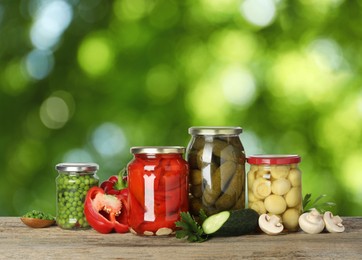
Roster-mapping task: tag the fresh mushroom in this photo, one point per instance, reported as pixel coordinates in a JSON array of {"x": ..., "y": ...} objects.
[
  {"x": 311, "y": 222},
  {"x": 333, "y": 223},
  {"x": 270, "y": 224}
]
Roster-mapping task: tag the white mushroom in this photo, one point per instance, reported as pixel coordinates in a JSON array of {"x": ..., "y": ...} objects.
[
  {"x": 333, "y": 223},
  {"x": 270, "y": 224},
  {"x": 311, "y": 222}
]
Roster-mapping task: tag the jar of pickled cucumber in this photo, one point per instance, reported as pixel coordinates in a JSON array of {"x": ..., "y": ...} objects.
[
  {"x": 216, "y": 159},
  {"x": 275, "y": 187},
  {"x": 158, "y": 189},
  {"x": 72, "y": 184}
]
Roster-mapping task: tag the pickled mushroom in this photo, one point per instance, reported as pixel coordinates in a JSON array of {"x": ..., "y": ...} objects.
[
  {"x": 261, "y": 188},
  {"x": 290, "y": 219},
  {"x": 275, "y": 204},
  {"x": 295, "y": 177},
  {"x": 279, "y": 171},
  {"x": 280, "y": 186},
  {"x": 293, "y": 197},
  {"x": 258, "y": 206}
]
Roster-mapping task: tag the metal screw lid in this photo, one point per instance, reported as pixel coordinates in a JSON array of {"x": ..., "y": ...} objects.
[
  {"x": 77, "y": 167},
  {"x": 215, "y": 130},
  {"x": 157, "y": 149}
]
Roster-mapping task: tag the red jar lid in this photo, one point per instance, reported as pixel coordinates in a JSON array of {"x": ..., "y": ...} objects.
[{"x": 273, "y": 159}]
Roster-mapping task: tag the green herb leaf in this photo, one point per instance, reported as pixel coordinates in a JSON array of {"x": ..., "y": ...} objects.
[
  {"x": 190, "y": 229},
  {"x": 306, "y": 200},
  {"x": 202, "y": 216},
  {"x": 321, "y": 206}
]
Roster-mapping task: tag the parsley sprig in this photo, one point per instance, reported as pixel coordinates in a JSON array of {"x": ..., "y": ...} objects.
[
  {"x": 190, "y": 228},
  {"x": 317, "y": 204}
]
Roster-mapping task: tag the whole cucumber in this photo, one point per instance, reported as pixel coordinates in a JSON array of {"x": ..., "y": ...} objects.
[{"x": 231, "y": 223}]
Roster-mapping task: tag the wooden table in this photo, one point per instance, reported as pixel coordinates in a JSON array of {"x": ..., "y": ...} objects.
[{"x": 18, "y": 241}]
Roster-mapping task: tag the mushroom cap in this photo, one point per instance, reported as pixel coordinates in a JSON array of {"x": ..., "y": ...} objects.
[
  {"x": 333, "y": 223},
  {"x": 311, "y": 222},
  {"x": 270, "y": 224}
]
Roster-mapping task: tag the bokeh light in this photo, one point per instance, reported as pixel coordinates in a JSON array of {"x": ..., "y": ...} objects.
[
  {"x": 109, "y": 140},
  {"x": 95, "y": 55},
  {"x": 52, "y": 18},
  {"x": 161, "y": 84},
  {"x": 239, "y": 86},
  {"x": 131, "y": 9},
  {"x": 15, "y": 77},
  {"x": 350, "y": 175},
  {"x": 259, "y": 12},
  {"x": 54, "y": 112},
  {"x": 39, "y": 63}
]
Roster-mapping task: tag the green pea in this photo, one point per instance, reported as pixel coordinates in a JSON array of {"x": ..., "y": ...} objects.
[{"x": 39, "y": 215}]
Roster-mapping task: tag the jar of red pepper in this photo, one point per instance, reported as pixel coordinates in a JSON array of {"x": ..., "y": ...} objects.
[{"x": 158, "y": 189}]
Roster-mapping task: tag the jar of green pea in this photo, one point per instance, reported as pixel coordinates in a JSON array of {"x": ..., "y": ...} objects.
[{"x": 72, "y": 184}]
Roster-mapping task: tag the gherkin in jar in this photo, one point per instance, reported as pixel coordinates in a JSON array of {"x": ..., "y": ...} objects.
[{"x": 216, "y": 159}]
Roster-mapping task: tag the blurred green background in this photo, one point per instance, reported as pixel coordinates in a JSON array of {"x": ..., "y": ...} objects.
[{"x": 86, "y": 80}]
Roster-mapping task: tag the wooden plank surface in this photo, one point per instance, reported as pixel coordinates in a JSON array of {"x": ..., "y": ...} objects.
[{"x": 18, "y": 241}]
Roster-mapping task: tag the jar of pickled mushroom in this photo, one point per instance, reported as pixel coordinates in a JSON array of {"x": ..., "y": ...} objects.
[
  {"x": 216, "y": 159},
  {"x": 72, "y": 184},
  {"x": 275, "y": 187},
  {"x": 158, "y": 189}
]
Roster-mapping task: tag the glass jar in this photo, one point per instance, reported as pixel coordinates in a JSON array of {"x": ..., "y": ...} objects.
[
  {"x": 158, "y": 189},
  {"x": 72, "y": 184},
  {"x": 216, "y": 159},
  {"x": 275, "y": 187}
]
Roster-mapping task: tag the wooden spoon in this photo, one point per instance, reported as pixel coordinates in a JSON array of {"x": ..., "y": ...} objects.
[{"x": 37, "y": 223}]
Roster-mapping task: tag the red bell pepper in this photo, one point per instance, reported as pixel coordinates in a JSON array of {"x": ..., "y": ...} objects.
[
  {"x": 105, "y": 212},
  {"x": 116, "y": 184}
]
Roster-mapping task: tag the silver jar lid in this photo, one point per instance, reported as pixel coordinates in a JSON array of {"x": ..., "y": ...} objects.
[
  {"x": 77, "y": 167},
  {"x": 215, "y": 130},
  {"x": 157, "y": 149}
]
